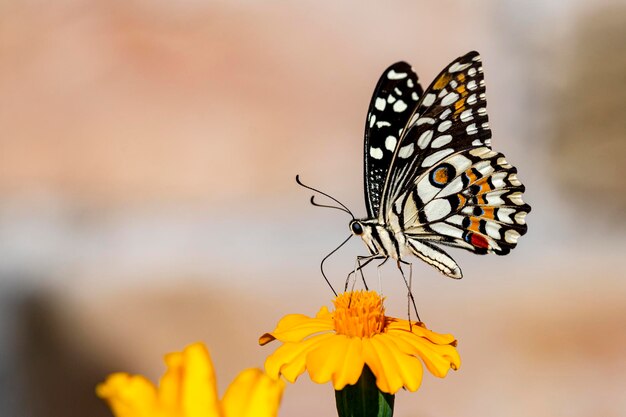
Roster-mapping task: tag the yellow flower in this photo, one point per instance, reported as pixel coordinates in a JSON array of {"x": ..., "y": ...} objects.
[
  {"x": 336, "y": 346},
  {"x": 188, "y": 389}
]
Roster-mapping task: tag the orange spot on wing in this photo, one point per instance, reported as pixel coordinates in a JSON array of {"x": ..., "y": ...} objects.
[
  {"x": 475, "y": 221},
  {"x": 459, "y": 106},
  {"x": 461, "y": 78},
  {"x": 470, "y": 174},
  {"x": 441, "y": 175},
  {"x": 487, "y": 213},
  {"x": 442, "y": 81}
]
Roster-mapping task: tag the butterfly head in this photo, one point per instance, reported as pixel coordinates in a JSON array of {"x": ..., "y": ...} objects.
[{"x": 356, "y": 227}]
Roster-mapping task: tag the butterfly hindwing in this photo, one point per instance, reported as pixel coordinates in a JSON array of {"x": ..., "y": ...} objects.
[
  {"x": 450, "y": 117},
  {"x": 394, "y": 99},
  {"x": 472, "y": 200}
]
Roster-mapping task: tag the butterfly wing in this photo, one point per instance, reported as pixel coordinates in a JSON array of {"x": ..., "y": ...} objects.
[
  {"x": 394, "y": 99},
  {"x": 445, "y": 184}
]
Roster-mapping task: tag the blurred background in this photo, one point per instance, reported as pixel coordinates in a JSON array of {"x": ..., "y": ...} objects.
[{"x": 147, "y": 197}]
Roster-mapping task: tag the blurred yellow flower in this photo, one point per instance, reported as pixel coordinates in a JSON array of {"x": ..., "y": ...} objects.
[
  {"x": 336, "y": 346},
  {"x": 188, "y": 389}
]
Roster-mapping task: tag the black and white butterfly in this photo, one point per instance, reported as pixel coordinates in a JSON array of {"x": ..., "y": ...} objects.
[{"x": 431, "y": 177}]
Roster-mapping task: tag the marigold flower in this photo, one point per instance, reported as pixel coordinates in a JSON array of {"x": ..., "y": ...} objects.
[
  {"x": 337, "y": 345},
  {"x": 189, "y": 389}
]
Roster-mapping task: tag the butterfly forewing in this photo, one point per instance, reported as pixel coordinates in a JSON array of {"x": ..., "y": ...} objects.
[
  {"x": 450, "y": 117},
  {"x": 394, "y": 99}
]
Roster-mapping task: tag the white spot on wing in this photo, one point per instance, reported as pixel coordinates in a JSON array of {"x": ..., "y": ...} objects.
[
  {"x": 391, "y": 98},
  {"x": 414, "y": 96},
  {"x": 511, "y": 236},
  {"x": 423, "y": 120},
  {"x": 380, "y": 104},
  {"x": 504, "y": 214},
  {"x": 514, "y": 180},
  {"x": 493, "y": 230},
  {"x": 429, "y": 99},
  {"x": 449, "y": 99},
  {"x": 376, "y": 153},
  {"x": 471, "y": 129},
  {"x": 520, "y": 218},
  {"x": 516, "y": 198},
  {"x": 445, "y": 125},
  {"x": 466, "y": 116},
  {"x": 409, "y": 83},
  {"x": 424, "y": 139},
  {"x": 392, "y": 75},
  {"x": 406, "y": 151},
  {"x": 399, "y": 106},
  {"x": 382, "y": 124},
  {"x": 445, "y": 114},
  {"x": 441, "y": 141},
  {"x": 456, "y": 67},
  {"x": 437, "y": 209},
  {"x": 436, "y": 157},
  {"x": 390, "y": 143},
  {"x": 471, "y": 85},
  {"x": 372, "y": 119}
]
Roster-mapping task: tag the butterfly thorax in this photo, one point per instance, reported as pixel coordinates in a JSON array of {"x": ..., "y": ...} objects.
[{"x": 380, "y": 239}]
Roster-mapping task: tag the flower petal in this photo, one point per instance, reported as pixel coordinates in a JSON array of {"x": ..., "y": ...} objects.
[
  {"x": 253, "y": 394},
  {"x": 129, "y": 396},
  {"x": 289, "y": 360},
  {"x": 437, "y": 358},
  {"x": 196, "y": 384},
  {"x": 297, "y": 327},
  {"x": 392, "y": 368},
  {"x": 339, "y": 358},
  {"x": 419, "y": 329}
]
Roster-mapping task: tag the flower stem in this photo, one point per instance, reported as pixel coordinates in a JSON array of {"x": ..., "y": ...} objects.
[{"x": 364, "y": 399}]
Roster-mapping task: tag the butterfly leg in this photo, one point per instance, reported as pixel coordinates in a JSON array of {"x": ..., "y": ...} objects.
[
  {"x": 411, "y": 299},
  {"x": 360, "y": 267},
  {"x": 380, "y": 283}
]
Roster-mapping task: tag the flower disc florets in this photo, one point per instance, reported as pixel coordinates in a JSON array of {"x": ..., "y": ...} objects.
[{"x": 359, "y": 314}]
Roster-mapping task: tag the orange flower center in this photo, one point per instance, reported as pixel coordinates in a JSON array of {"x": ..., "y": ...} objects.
[{"x": 359, "y": 314}]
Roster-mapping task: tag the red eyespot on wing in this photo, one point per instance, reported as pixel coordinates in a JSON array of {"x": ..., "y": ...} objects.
[{"x": 479, "y": 241}]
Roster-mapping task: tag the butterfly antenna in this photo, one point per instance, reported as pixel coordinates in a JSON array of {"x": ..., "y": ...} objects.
[
  {"x": 328, "y": 256},
  {"x": 342, "y": 208}
]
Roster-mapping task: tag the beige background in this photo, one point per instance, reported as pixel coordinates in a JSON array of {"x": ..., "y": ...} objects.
[{"x": 147, "y": 197}]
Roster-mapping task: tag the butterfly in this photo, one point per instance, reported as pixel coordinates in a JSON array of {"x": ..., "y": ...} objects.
[{"x": 431, "y": 177}]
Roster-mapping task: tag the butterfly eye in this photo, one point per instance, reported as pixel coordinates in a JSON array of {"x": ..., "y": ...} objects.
[{"x": 356, "y": 227}]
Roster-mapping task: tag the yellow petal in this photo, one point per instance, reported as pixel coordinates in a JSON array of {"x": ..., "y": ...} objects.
[
  {"x": 253, "y": 394},
  {"x": 324, "y": 314},
  {"x": 437, "y": 358},
  {"x": 392, "y": 368},
  {"x": 419, "y": 329},
  {"x": 129, "y": 396},
  {"x": 339, "y": 358},
  {"x": 199, "y": 387},
  {"x": 170, "y": 386},
  {"x": 290, "y": 359},
  {"x": 296, "y": 327}
]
